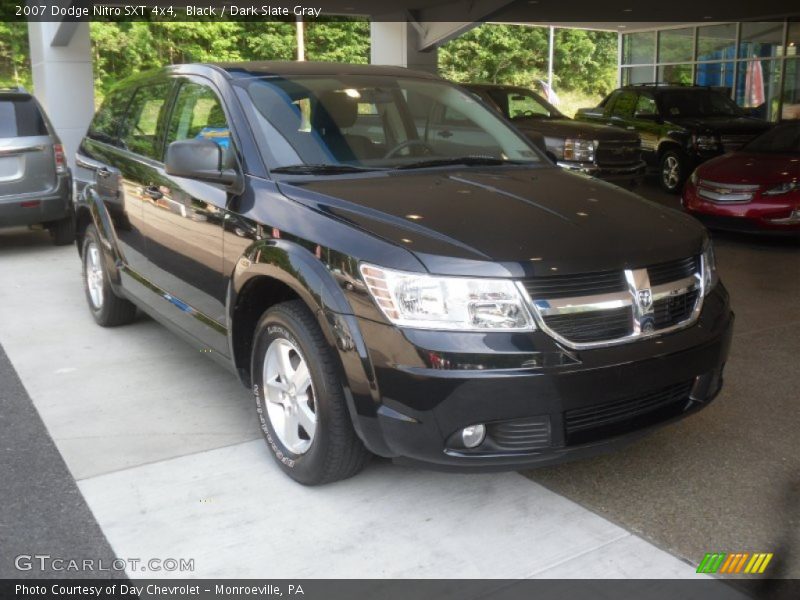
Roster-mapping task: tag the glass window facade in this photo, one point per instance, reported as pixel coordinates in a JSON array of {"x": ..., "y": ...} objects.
[{"x": 755, "y": 63}]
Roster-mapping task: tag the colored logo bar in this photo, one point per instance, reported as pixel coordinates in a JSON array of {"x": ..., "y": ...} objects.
[{"x": 736, "y": 562}]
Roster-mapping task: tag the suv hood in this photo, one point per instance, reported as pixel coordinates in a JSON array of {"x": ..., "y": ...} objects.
[
  {"x": 751, "y": 167},
  {"x": 567, "y": 128},
  {"x": 516, "y": 222},
  {"x": 722, "y": 125}
]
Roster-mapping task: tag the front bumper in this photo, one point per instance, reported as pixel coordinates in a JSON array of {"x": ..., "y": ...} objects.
[
  {"x": 633, "y": 174},
  {"x": 541, "y": 402},
  {"x": 32, "y": 209},
  {"x": 776, "y": 215}
]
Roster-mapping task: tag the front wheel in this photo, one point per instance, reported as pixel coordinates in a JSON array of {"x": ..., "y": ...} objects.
[
  {"x": 673, "y": 169},
  {"x": 108, "y": 309},
  {"x": 300, "y": 398}
]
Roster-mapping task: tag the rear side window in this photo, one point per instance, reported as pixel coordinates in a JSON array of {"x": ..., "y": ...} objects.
[
  {"x": 21, "y": 117},
  {"x": 109, "y": 118},
  {"x": 141, "y": 132},
  {"x": 623, "y": 107}
]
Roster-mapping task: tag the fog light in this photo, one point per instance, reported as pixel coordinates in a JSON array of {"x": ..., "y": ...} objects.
[{"x": 473, "y": 435}]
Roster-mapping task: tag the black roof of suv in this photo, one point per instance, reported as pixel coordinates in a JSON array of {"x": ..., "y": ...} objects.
[{"x": 384, "y": 284}]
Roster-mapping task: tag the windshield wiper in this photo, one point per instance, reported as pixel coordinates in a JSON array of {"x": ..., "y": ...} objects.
[
  {"x": 460, "y": 160},
  {"x": 321, "y": 169}
]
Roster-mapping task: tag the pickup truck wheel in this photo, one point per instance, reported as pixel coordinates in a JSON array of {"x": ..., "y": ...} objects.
[
  {"x": 672, "y": 171},
  {"x": 108, "y": 309},
  {"x": 300, "y": 399},
  {"x": 63, "y": 231}
]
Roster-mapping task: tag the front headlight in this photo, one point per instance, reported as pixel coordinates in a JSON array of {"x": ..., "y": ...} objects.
[
  {"x": 709, "y": 267},
  {"x": 579, "y": 150},
  {"x": 705, "y": 142},
  {"x": 783, "y": 188},
  {"x": 430, "y": 302}
]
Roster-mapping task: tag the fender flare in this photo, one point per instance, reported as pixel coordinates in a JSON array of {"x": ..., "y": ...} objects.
[
  {"x": 295, "y": 266},
  {"x": 101, "y": 219}
]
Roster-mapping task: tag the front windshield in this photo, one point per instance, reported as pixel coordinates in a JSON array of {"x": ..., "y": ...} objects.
[
  {"x": 377, "y": 122},
  {"x": 783, "y": 139},
  {"x": 519, "y": 104},
  {"x": 697, "y": 103}
]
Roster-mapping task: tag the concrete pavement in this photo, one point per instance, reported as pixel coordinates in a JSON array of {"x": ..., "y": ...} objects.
[{"x": 166, "y": 451}]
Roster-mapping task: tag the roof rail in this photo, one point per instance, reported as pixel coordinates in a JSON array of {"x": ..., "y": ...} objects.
[
  {"x": 14, "y": 88},
  {"x": 664, "y": 84}
]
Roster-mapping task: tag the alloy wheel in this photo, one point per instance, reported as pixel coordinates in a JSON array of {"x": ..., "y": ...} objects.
[
  {"x": 94, "y": 275},
  {"x": 289, "y": 396},
  {"x": 670, "y": 173}
]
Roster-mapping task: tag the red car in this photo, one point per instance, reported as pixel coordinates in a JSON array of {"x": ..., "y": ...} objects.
[{"x": 754, "y": 189}]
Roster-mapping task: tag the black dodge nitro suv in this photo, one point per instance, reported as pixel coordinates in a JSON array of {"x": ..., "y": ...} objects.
[
  {"x": 680, "y": 126},
  {"x": 380, "y": 290}
]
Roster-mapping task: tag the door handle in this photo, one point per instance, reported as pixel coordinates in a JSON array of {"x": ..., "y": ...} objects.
[
  {"x": 153, "y": 192},
  {"x": 445, "y": 134}
]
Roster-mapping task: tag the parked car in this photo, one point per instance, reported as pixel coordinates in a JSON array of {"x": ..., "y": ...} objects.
[
  {"x": 680, "y": 126},
  {"x": 35, "y": 183},
  {"x": 396, "y": 293},
  {"x": 754, "y": 189},
  {"x": 597, "y": 150}
]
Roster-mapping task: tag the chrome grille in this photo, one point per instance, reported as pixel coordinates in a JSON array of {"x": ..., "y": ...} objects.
[
  {"x": 558, "y": 286},
  {"x": 613, "y": 307},
  {"x": 735, "y": 141},
  {"x": 673, "y": 310},
  {"x": 673, "y": 270},
  {"x": 593, "y": 325},
  {"x": 618, "y": 152}
]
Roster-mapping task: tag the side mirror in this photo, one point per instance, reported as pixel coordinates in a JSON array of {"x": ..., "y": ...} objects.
[{"x": 199, "y": 159}]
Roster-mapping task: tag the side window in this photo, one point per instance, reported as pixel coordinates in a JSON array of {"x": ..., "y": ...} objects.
[
  {"x": 198, "y": 115},
  {"x": 109, "y": 118},
  {"x": 452, "y": 116},
  {"x": 624, "y": 105},
  {"x": 646, "y": 105},
  {"x": 608, "y": 104},
  {"x": 140, "y": 132}
]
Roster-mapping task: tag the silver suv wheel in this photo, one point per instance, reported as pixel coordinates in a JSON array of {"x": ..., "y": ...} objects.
[
  {"x": 94, "y": 275},
  {"x": 290, "y": 397}
]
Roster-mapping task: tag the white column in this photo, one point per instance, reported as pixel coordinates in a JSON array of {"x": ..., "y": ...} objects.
[
  {"x": 61, "y": 62},
  {"x": 395, "y": 43}
]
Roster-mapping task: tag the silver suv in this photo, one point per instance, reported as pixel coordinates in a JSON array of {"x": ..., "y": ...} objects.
[{"x": 35, "y": 182}]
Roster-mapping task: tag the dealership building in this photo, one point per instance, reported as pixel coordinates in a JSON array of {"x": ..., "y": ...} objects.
[{"x": 754, "y": 58}]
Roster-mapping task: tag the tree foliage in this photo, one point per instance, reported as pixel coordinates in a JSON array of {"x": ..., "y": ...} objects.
[
  {"x": 583, "y": 61},
  {"x": 15, "y": 64},
  {"x": 121, "y": 49}
]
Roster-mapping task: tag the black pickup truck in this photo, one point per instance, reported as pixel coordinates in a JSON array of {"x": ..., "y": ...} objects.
[
  {"x": 596, "y": 150},
  {"x": 680, "y": 126}
]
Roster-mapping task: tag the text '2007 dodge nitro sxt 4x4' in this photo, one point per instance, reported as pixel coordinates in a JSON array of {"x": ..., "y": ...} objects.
[{"x": 457, "y": 303}]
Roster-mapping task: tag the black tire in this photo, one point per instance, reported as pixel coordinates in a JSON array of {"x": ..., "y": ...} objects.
[
  {"x": 63, "y": 231},
  {"x": 335, "y": 450},
  {"x": 672, "y": 171},
  {"x": 112, "y": 310}
]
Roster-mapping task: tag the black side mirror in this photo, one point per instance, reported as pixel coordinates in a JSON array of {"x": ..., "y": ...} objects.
[{"x": 199, "y": 159}]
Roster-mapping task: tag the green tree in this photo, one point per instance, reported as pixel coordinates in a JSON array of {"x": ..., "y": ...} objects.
[{"x": 15, "y": 64}]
